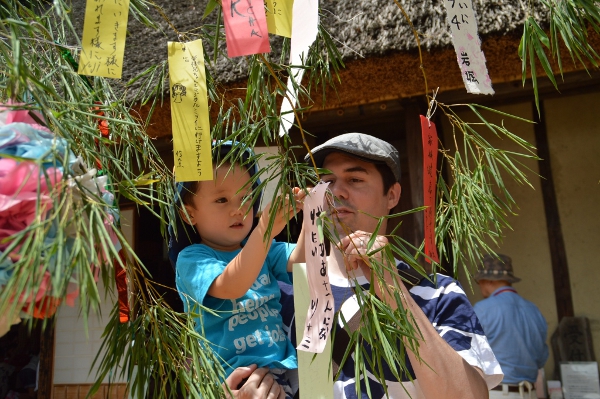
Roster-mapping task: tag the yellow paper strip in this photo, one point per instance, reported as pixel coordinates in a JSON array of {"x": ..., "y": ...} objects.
[
  {"x": 279, "y": 17},
  {"x": 103, "y": 42},
  {"x": 189, "y": 112}
]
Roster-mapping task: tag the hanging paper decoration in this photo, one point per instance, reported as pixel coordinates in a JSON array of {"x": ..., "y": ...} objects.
[
  {"x": 120, "y": 272},
  {"x": 103, "y": 42},
  {"x": 320, "y": 311},
  {"x": 430, "y": 150},
  {"x": 189, "y": 112},
  {"x": 246, "y": 29},
  {"x": 305, "y": 22},
  {"x": 279, "y": 17},
  {"x": 35, "y": 166},
  {"x": 467, "y": 45}
]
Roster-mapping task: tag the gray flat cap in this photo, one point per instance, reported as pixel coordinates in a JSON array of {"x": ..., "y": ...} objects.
[
  {"x": 362, "y": 146},
  {"x": 365, "y": 147}
]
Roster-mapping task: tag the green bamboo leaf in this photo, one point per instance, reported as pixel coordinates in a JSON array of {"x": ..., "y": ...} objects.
[
  {"x": 541, "y": 55},
  {"x": 210, "y": 6},
  {"x": 541, "y": 35}
]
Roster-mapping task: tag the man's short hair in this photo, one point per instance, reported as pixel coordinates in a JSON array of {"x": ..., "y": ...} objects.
[{"x": 387, "y": 176}]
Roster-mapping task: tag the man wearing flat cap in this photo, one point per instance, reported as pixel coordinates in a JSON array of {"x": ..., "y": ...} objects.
[
  {"x": 514, "y": 326},
  {"x": 455, "y": 360}
]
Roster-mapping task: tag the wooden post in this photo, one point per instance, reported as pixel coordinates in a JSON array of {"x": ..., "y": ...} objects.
[
  {"x": 46, "y": 366},
  {"x": 558, "y": 254}
]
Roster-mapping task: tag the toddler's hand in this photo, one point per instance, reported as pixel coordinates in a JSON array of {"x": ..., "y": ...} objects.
[
  {"x": 285, "y": 211},
  {"x": 299, "y": 195}
]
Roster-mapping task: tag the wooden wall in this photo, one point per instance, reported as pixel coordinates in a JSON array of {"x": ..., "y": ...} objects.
[{"x": 80, "y": 391}]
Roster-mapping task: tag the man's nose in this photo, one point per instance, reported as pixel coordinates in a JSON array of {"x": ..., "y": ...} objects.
[{"x": 338, "y": 189}]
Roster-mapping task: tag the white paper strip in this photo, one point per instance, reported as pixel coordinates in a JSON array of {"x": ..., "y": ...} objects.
[
  {"x": 467, "y": 45},
  {"x": 320, "y": 312},
  {"x": 305, "y": 20}
]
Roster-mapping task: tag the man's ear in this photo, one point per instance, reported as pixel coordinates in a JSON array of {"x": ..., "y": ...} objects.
[
  {"x": 393, "y": 195},
  {"x": 186, "y": 215}
]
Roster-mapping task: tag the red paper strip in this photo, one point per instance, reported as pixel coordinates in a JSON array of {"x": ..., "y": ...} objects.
[
  {"x": 246, "y": 29},
  {"x": 430, "y": 149},
  {"x": 103, "y": 129},
  {"x": 122, "y": 289}
]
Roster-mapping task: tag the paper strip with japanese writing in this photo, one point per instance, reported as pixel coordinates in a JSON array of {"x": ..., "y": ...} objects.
[
  {"x": 320, "y": 312},
  {"x": 430, "y": 149},
  {"x": 246, "y": 29},
  {"x": 189, "y": 112},
  {"x": 103, "y": 41},
  {"x": 467, "y": 45},
  {"x": 305, "y": 20},
  {"x": 279, "y": 17}
]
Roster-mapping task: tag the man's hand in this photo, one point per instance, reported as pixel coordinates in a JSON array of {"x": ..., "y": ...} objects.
[
  {"x": 260, "y": 384},
  {"x": 355, "y": 248}
]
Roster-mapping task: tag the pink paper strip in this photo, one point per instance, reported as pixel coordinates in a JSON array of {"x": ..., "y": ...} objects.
[{"x": 246, "y": 29}]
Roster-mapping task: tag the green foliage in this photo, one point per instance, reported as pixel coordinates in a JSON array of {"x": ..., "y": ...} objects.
[
  {"x": 70, "y": 240},
  {"x": 473, "y": 205},
  {"x": 161, "y": 354},
  {"x": 388, "y": 333},
  {"x": 570, "y": 22}
]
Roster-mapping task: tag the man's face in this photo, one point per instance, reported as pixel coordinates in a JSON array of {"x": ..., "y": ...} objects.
[
  {"x": 486, "y": 287},
  {"x": 357, "y": 187}
]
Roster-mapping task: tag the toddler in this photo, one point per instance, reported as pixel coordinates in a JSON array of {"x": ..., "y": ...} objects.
[{"x": 232, "y": 269}]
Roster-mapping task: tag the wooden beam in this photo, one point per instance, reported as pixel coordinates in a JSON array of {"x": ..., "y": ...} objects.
[
  {"x": 46, "y": 366},
  {"x": 558, "y": 254}
]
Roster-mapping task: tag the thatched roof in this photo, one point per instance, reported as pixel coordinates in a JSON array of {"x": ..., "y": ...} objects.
[
  {"x": 362, "y": 28},
  {"x": 375, "y": 27}
]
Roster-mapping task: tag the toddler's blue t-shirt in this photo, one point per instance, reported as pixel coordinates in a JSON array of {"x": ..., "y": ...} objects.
[{"x": 247, "y": 330}]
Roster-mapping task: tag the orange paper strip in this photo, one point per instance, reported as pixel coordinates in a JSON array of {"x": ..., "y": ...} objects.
[
  {"x": 246, "y": 29},
  {"x": 430, "y": 149}
]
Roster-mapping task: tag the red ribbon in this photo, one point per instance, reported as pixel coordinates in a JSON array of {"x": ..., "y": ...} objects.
[{"x": 430, "y": 149}]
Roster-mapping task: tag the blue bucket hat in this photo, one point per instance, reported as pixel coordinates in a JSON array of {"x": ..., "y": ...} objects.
[{"x": 186, "y": 234}]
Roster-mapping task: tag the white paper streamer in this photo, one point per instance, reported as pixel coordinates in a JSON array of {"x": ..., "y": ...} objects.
[
  {"x": 305, "y": 19},
  {"x": 319, "y": 317},
  {"x": 467, "y": 45}
]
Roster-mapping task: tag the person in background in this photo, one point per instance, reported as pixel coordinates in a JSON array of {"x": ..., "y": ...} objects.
[{"x": 514, "y": 326}]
